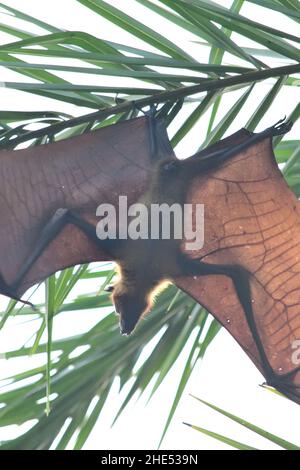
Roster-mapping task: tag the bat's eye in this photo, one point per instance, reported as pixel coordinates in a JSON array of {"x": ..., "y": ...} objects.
[{"x": 109, "y": 288}]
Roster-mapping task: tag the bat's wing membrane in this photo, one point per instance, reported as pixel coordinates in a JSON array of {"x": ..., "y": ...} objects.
[
  {"x": 77, "y": 174},
  {"x": 252, "y": 219}
]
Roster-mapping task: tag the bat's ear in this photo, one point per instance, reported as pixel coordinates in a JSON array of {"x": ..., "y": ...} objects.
[{"x": 109, "y": 288}]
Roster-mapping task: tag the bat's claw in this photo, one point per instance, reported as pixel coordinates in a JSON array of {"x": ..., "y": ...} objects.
[
  {"x": 282, "y": 127},
  {"x": 281, "y": 121}
]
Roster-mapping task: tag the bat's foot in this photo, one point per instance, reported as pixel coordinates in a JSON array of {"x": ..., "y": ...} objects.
[
  {"x": 281, "y": 127},
  {"x": 151, "y": 112}
]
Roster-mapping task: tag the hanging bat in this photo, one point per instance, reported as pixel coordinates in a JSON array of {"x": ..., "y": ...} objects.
[{"x": 50, "y": 224}]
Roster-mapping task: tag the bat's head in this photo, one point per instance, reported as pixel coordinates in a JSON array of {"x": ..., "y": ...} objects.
[{"x": 130, "y": 305}]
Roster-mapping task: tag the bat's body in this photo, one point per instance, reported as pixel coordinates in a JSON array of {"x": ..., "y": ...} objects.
[{"x": 50, "y": 224}]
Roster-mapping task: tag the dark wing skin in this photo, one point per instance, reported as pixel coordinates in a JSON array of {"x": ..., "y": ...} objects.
[
  {"x": 252, "y": 219},
  {"x": 76, "y": 174}
]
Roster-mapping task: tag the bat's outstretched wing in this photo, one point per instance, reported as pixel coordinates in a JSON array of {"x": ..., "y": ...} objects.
[
  {"x": 252, "y": 219},
  {"x": 76, "y": 174}
]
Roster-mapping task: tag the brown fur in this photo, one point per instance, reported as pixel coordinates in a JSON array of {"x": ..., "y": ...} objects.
[{"x": 145, "y": 266}]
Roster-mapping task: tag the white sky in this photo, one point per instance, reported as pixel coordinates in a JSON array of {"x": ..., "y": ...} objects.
[{"x": 226, "y": 377}]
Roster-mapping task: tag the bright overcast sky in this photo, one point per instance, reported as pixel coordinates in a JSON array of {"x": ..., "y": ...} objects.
[{"x": 226, "y": 377}]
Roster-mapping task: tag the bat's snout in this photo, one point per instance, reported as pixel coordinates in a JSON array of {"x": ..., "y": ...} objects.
[{"x": 127, "y": 327}]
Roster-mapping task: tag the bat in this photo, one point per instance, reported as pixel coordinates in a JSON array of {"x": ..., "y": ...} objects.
[{"x": 50, "y": 225}]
